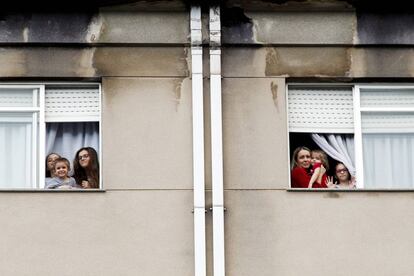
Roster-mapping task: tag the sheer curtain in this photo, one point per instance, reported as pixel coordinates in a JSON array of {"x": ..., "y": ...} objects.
[
  {"x": 67, "y": 138},
  {"x": 338, "y": 146},
  {"x": 388, "y": 160},
  {"x": 16, "y": 154}
]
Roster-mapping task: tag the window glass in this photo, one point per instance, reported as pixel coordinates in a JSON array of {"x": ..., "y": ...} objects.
[
  {"x": 387, "y": 97},
  {"x": 10, "y": 97},
  {"x": 388, "y": 160},
  {"x": 16, "y": 134}
]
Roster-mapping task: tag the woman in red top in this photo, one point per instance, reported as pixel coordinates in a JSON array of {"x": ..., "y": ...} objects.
[{"x": 302, "y": 169}]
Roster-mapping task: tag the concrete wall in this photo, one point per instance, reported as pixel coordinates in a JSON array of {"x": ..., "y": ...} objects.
[{"x": 142, "y": 223}]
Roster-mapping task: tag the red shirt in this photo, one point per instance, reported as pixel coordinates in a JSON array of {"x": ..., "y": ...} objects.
[{"x": 301, "y": 177}]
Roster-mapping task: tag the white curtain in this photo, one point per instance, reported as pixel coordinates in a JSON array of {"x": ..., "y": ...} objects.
[
  {"x": 66, "y": 138},
  {"x": 388, "y": 160},
  {"x": 338, "y": 146},
  {"x": 16, "y": 154}
]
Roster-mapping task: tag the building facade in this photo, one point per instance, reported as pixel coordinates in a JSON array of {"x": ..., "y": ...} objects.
[{"x": 194, "y": 123}]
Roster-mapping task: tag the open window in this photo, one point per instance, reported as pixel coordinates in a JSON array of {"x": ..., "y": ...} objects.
[
  {"x": 42, "y": 118},
  {"x": 368, "y": 128}
]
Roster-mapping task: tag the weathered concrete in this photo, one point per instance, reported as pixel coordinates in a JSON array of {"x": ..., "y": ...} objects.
[
  {"x": 318, "y": 62},
  {"x": 93, "y": 27},
  {"x": 286, "y": 61},
  {"x": 112, "y": 233},
  {"x": 385, "y": 28},
  {"x": 46, "y": 62},
  {"x": 254, "y": 133},
  {"x": 292, "y": 28},
  {"x": 147, "y": 133},
  {"x": 383, "y": 62},
  {"x": 305, "y": 62},
  {"x": 93, "y": 62},
  {"x": 302, "y": 233},
  {"x": 45, "y": 27},
  {"x": 145, "y": 27},
  {"x": 142, "y": 61}
]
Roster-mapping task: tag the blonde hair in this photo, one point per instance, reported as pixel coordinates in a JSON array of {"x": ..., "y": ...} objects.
[{"x": 323, "y": 157}]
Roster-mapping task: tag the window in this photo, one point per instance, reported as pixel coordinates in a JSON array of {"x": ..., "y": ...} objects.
[
  {"x": 42, "y": 118},
  {"x": 369, "y": 128}
]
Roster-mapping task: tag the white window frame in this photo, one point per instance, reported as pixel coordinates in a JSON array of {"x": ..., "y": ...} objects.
[
  {"x": 39, "y": 133},
  {"x": 358, "y": 110}
]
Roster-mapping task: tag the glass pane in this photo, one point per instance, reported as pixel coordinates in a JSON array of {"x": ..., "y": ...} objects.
[
  {"x": 387, "y": 97},
  {"x": 387, "y": 122},
  {"x": 16, "y": 150},
  {"x": 388, "y": 160},
  {"x": 10, "y": 97}
]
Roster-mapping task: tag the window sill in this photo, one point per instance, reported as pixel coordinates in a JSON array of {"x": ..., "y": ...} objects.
[{"x": 350, "y": 190}]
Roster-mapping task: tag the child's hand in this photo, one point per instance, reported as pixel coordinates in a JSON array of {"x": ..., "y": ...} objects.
[{"x": 85, "y": 184}]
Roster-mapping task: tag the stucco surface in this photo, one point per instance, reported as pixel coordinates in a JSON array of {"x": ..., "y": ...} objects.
[
  {"x": 305, "y": 233},
  {"x": 92, "y": 62},
  {"x": 298, "y": 28},
  {"x": 254, "y": 133},
  {"x": 144, "y": 27},
  {"x": 322, "y": 62},
  {"x": 95, "y": 27},
  {"x": 383, "y": 62},
  {"x": 147, "y": 133},
  {"x": 286, "y": 62},
  {"x": 111, "y": 233},
  {"x": 142, "y": 61},
  {"x": 47, "y": 62}
]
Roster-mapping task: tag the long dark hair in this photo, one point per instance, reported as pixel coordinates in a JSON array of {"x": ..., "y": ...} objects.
[{"x": 90, "y": 173}]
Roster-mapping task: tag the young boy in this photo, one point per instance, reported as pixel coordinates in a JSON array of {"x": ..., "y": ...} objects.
[{"x": 62, "y": 179}]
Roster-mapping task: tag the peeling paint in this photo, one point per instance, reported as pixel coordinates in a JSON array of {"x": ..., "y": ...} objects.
[
  {"x": 26, "y": 34},
  {"x": 332, "y": 195},
  {"x": 94, "y": 29},
  {"x": 187, "y": 58},
  {"x": 273, "y": 89},
  {"x": 178, "y": 85},
  {"x": 86, "y": 67},
  {"x": 350, "y": 57},
  {"x": 271, "y": 60},
  {"x": 255, "y": 31}
]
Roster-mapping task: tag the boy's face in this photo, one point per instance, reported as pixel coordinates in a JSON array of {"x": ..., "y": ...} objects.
[
  {"x": 61, "y": 169},
  {"x": 316, "y": 158}
]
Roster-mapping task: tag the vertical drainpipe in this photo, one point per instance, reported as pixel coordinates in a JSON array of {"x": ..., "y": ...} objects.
[
  {"x": 216, "y": 142},
  {"x": 198, "y": 142}
]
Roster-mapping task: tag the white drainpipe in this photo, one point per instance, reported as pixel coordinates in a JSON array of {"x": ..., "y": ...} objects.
[
  {"x": 216, "y": 142},
  {"x": 198, "y": 142}
]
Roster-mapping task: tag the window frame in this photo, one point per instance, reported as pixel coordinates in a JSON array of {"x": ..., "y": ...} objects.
[
  {"x": 39, "y": 128},
  {"x": 358, "y": 110}
]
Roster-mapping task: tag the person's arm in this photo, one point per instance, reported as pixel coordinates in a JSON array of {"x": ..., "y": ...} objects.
[
  {"x": 315, "y": 176},
  {"x": 320, "y": 176}
]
